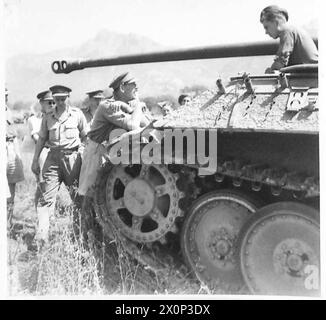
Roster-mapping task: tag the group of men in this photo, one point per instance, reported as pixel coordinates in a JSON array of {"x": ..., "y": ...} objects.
[
  {"x": 72, "y": 139},
  {"x": 65, "y": 131}
]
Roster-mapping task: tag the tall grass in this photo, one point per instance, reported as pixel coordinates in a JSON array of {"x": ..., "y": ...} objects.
[
  {"x": 66, "y": 266},
  {"x": 70, "y": 266}
]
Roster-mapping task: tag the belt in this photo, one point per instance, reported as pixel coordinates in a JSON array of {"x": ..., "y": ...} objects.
[{"x": 65, "y": 151}]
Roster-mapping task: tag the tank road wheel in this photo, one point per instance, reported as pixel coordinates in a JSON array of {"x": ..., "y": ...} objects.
[
  {"x": 209, "y": 236},
  {"x": 143, "y": 201},
  {"x": 280, "y": 250}
]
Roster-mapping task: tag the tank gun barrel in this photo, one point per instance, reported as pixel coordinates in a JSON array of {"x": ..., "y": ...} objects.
[{"x": 209, "y": 52}]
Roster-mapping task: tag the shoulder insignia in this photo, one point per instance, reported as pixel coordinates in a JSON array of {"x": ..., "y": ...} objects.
[{"x": 113, "y": 107}]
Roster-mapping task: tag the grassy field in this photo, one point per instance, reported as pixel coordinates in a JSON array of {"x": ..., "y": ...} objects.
[{"x": 68, "y": 266}]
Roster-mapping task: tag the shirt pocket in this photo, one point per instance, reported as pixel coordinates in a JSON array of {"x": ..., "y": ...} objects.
[
  {"x": 71, "y": 131},
  {"x": 54, "y": 132}
]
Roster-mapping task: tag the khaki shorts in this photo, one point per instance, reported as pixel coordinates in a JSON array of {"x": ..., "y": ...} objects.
[{"x": 92, "y": 160}]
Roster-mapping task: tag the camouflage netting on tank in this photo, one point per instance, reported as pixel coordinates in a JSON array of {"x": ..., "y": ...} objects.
[
  {"x": 238, "y": 110},
  {"x": 268, "y": 112},
  {"x": 208, "y": 110}
]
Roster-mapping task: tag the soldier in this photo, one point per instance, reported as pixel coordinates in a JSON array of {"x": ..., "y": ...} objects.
[
  {"x": 124, "y": 111},
  {"x": 63, "y": 129},
  {"x": 94, "y": 99},
  {"x": 296, "y": 45},
  {"x": 45, "y": 105},
  {"x": 166, "y": 107},
  {"x": 184, "y": 99},
  {"x": 15, "y": 171}
]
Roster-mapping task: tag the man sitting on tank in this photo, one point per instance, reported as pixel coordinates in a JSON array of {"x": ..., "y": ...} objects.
[
  {"x": 296, "y": 45},
  {"x": 124, "y": 111}
]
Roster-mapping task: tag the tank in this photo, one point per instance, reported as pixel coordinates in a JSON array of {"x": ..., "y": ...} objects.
[{"x": 230, "y": 181}]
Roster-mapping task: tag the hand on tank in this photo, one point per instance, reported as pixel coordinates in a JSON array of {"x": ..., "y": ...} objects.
[
  {"x": 141, "y": 107},
  {"x": 126, "y": 108},
  {"x": 145, "y": 121}
]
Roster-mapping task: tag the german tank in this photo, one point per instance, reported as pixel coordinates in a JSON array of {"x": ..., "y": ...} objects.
[{"x": 232, "y": 179}]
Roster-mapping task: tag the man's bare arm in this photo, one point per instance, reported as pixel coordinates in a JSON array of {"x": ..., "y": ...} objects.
[{"x": 38, "y": 149}]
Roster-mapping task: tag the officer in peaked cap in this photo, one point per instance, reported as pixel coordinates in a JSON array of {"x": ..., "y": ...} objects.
[
  {"x": 60, "y": 91},
  {"x": 46, "y": 101},
  {"x": 124, "y": 78},
  {"x": 123, "y": 111},
  {"x": 97, "y": 94},
  {"x": 45, "y": 105},
  {"x": 93, "y": 101},
  {"x": 63, "y": 130},
  {"x": 45, "y": 96}
]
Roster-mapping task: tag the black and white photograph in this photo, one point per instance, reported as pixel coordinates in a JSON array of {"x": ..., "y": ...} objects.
[{"x": 163, "y": 149}]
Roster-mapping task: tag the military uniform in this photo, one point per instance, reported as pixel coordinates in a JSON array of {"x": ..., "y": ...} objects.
[
  {"x": 88, "y": 116},
  {"x": 296, "y": 47},
  {"x": 34, "y": 125},
  {"x": 63, "y": 161},
  {"x": 63, "y": 134},
  {"x": 97, "y": 94},
  {"x": 110, "y": 115}
]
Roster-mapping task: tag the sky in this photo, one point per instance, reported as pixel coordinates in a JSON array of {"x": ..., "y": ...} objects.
[{"x": 38, "y": 26}]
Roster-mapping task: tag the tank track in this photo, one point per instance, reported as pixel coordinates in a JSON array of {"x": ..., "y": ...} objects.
[
  {"x": 259, "y": 174},
  {"x": 237, "y": 171}
]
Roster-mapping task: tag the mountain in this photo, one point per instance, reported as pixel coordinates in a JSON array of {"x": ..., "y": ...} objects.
[{"x": 26, "y": 75}]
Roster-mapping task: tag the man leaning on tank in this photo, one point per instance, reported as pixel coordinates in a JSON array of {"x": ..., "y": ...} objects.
[
  {"x": 123, "y": 111},
  {"x": 62, "y": 130},
  {"x": 296, "y": 45}
]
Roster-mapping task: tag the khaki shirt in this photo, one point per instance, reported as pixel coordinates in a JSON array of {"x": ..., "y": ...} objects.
[
  {"x": 63, "y": 132},
  {"x": 296, "y": 47},
  {"x": 109, "y": 115},
  {"x": 88, "y": 117}
]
